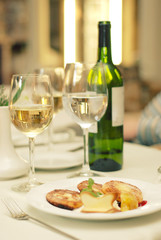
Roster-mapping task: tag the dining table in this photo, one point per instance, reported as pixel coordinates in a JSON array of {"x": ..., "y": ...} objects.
[{"x": 140, "y": 165}]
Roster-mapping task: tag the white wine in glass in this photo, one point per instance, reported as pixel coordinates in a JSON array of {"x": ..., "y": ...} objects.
[
  {"x": 31, "y": 111},
  {"x": 85, "y": 99},
  {"x": 56, "y": 76}
]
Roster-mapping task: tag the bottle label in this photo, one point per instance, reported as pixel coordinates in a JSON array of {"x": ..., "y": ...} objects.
[{"x": 117, "y": 106}]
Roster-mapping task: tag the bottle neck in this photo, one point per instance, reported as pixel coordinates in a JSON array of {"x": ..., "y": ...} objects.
[{"x": 104, "y": 46}]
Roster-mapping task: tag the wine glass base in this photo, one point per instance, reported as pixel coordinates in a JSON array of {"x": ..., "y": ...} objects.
[
  {"x": 26, "y": 186},
  {"x": 159, "y": 174},
  {"x": 85, "y": 174},
  {"x": 159, "y": 170}
]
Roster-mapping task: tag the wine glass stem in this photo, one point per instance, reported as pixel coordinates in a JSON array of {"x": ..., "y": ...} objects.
[
  {"x": 50, "y": 132},
  {"x": 50, "y": 137},
  {"x": 31, "y": 160},
  {"x": 86, "y": 159}
]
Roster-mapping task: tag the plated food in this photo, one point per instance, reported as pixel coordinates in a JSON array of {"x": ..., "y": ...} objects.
[
  {"x": 36, "y": 198},
  {"x": 92, "y": 197},
  {"x": 64, "y": 198}
]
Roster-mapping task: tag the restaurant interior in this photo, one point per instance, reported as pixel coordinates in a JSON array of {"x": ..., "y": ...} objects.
[
  {"x": 43, "y": 33},
  {"x": 38, "y": 34}
]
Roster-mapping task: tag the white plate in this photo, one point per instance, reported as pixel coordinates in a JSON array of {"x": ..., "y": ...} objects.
[
  {"x": 151, "y": 192},
  {"x": 58, "y": 158},
  {"x": 55, "y": 161}
]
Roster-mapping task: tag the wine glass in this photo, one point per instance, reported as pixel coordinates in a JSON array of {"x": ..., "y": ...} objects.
[
  {"x": 31, "y": 111},
  {"x": 85, "y": 99},
  {"x": 56, "y": 76}
]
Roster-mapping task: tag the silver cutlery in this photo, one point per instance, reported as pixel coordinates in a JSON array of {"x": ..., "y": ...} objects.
[{"x": 17, "y": 213}]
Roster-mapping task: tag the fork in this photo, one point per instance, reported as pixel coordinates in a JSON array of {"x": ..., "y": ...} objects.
[{"x": 17, "y": 213}]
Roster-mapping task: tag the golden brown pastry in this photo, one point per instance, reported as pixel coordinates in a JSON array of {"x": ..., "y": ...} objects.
[
  {"x": 64, "y": 198},
  {"x": 120, "y": 187}
]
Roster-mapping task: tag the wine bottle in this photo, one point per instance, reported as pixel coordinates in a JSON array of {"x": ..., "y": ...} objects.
[{"x": 106, "y": 139}]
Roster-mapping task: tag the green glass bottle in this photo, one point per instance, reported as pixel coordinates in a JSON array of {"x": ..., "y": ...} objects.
[{"x": 106, "y": 138}]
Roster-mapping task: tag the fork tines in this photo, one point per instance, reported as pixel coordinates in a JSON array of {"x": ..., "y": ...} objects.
[{"x": 13, "y": 207}]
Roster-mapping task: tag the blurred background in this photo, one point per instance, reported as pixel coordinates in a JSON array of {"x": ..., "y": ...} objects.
[{"x": 50, "y": 33}]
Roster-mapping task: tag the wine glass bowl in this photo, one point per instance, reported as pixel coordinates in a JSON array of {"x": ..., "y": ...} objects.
[
  {"x": 31, "y": 111},
  {"x": 85, "y": 99},
  {"x": 56, "y": 76}
]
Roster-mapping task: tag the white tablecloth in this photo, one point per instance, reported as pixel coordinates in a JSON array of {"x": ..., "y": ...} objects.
[{"x": 139, "y": 163}]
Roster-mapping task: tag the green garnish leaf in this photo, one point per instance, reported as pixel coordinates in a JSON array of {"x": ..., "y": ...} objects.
[
  {"x": 90, "y": 190},
  {"x": 90, "y": 183}
]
